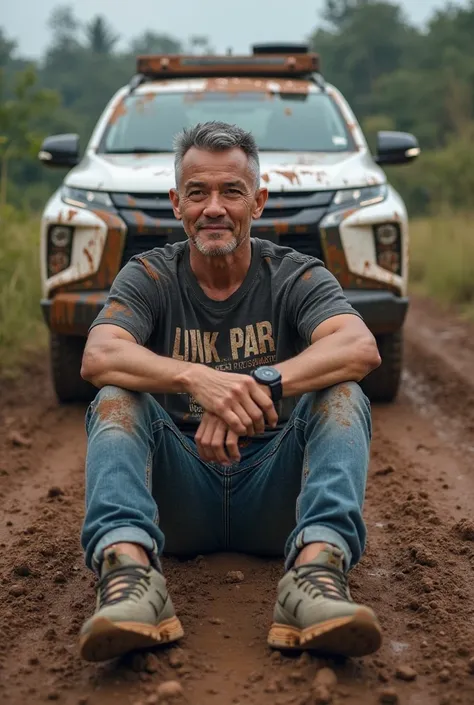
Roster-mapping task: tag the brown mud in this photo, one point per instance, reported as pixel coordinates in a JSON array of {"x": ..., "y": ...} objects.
[{"x": 417, "y": 573}]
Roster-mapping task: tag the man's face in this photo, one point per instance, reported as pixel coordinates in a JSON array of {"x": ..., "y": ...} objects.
[{"x": 217, "y": 200}]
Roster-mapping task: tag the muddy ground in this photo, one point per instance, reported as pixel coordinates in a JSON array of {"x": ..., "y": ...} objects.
[{"x": 418, "y": 572}]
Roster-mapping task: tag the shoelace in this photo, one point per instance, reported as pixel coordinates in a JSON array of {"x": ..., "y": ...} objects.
[
  {"x": 323, "y": 580},
  {"x": 128, "y": 582}
]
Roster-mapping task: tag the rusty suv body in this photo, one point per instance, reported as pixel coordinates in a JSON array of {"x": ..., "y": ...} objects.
[{"x": 328, "y": 195}]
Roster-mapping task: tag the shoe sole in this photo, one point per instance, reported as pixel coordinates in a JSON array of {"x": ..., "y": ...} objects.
[
  {"x": 107, "y": 640},
  {"x": 356, "y": 635}
]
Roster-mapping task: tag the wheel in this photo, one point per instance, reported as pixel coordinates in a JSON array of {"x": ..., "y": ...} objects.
[
  {"x": 382, "y": 384},
  {"x": 66, "y": 356}
]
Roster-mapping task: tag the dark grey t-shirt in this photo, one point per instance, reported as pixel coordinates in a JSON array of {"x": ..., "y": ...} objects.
[{"x": 270, "y": 318}]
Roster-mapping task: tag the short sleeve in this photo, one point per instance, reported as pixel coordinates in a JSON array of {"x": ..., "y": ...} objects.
[
  {"x": 315, "y": 296},
  {"x": 133, "y": 302}
]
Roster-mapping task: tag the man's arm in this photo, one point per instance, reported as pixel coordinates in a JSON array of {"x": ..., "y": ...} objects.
[
  {"x": 113, "y": 356},
  {"x": 342, "y": 349}
]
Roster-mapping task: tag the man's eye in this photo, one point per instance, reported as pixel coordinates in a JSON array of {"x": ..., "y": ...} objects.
[
  {"x": 233, "y": 191},
  {"x": 196, "y": 192}
]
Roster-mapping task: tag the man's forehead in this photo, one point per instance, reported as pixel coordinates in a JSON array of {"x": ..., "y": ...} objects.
[{"x": 197, "y": 162}]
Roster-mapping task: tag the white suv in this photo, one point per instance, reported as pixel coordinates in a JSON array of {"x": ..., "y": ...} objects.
[{"x": 328, "y": 196}]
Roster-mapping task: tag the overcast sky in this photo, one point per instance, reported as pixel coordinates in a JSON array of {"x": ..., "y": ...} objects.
[{"x": 234, "y": 25}]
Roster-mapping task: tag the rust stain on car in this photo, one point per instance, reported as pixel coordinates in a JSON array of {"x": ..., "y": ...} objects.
[
  {"x": 89, "y": 257},
  {"x": 110, "y": 261},
  {"x": 119, "y": 111},
  {"x": 281, "y": 227},
  {"x": 71, "y": 213},
  {"x": 292, "y": 176}
]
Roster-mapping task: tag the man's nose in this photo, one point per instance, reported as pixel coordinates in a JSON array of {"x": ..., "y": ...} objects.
[{"x": 214, "y": 206}]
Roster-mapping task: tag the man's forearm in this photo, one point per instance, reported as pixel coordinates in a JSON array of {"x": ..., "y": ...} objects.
[
  {"x": 125, "y": 364},
  {"x": 340, "y": 357}
]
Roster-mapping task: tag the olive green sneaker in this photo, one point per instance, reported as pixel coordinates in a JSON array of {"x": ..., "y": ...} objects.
[
  {"x": 134, "y": 610},
  {"x": 314, "y": 610}
]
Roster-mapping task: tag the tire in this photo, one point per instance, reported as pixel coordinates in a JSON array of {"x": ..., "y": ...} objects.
[
  {"x": 66, "y": 357},
  {"x": 383, "y": 383}
]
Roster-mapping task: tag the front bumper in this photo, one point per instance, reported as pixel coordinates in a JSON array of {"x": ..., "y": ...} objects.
[
  {"x": 382, "y": 311},
  {"x": 73, "y": 313}
]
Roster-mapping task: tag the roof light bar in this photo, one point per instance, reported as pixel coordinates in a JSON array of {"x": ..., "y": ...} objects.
[{"x": 256, "y": 65}]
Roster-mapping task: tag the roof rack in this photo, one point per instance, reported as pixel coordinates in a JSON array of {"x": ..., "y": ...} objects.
[{"x": 282, "y": 65}]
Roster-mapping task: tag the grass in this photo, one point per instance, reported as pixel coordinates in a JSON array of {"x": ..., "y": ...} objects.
[
  {"x": 442, "y": 259},
  {"x": 21, "y": 326}
]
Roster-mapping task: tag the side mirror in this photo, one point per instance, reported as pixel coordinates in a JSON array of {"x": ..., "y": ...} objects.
[
  {"x": 396, "y": 148},
  {"x": 60, "y": 150}
]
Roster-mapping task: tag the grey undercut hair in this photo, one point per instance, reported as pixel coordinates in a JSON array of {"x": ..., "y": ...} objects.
[{"x": 216, "y": 136}]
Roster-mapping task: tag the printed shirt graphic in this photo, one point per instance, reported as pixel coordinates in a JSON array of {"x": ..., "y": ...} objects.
[{"x": 270, "y": 318}]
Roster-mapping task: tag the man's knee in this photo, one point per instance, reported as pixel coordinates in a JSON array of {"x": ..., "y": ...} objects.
[
  {"x": 338, "y": 404},
  {"x": 119, "y": 407}
]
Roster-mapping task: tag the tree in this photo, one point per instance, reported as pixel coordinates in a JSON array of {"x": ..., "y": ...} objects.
[
  {"x": 153, "y": 43},
  {"x": 17, "y": 137},
  {"x": 199, "y": 44},
  {"x": 100, "y": 35},
  {"x": 64, "y": 26},
  {"x": 7, "y": 47}
]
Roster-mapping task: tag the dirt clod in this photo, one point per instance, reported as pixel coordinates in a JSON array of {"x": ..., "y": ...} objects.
[
  {"x": 176, "y": 658},
  {"x": 234, "y": 576},
  {"x": 325, "y": 677},
  {"x": 388, "y": 696},
  {"x": 18, "y": 439},
  {"x": 465, "y": 529},
  {"x": 169, "y": 690},
  {"x": 55, "y": 492},
  {"x": 406, "y": 673}
]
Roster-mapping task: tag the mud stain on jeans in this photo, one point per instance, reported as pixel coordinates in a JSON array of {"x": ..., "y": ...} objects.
[
  {"x": 120, "y": 411},
  {"x": 334, "y": 404}
]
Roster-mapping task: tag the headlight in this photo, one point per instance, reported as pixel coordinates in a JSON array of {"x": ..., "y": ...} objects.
[
  {"x": 349, "y": 200},
  {"x": 388, "y": 247},
  {"x": 360, "y": 197},
  {"x": 85, "y": 199},
  {"x": 59, "y": 246}
]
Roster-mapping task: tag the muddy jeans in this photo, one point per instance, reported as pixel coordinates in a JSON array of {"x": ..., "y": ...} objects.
[{"x": 146, "y": 480}]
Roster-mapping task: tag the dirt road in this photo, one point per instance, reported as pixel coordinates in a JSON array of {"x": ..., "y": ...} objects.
[{"x": 418, "y": 572}]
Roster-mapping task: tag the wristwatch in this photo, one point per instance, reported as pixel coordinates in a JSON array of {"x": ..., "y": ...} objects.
[{"x": 271, "y": 378}]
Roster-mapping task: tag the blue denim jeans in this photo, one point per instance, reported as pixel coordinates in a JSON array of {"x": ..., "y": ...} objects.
[{"x": 145, "y": 480}]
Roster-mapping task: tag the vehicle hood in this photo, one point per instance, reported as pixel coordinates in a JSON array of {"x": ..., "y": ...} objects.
[{"x": 280, "y": 171}]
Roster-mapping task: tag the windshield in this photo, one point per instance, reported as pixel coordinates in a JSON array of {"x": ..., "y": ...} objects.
[{"x": 308, "y": 122}]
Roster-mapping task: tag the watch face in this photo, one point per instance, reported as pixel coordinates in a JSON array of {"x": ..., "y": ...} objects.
[{"x": 268, "y": 374}]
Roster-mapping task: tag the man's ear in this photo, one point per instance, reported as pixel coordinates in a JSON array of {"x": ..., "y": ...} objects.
[
  {"x": 174, "y": 198},
  {"x": 261, "y": 197}
]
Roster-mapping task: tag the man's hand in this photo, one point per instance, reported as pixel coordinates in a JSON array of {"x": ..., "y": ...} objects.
[
  {"x": 216, "y": 443},
  {"x": 237, "y": 399}
]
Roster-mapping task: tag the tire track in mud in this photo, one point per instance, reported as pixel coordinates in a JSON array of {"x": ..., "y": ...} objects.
[{"x": 417, "y": 573}]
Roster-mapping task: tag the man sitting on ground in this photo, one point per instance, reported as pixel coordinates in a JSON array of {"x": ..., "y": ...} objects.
[{"x": 229, "y": 417}]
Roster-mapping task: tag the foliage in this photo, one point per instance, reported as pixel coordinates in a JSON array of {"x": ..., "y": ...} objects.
[
  {"x": 21, "y": 327},
  {"x": 444, "y": 272}
]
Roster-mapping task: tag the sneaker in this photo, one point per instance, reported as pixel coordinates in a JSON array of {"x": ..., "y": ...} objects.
[
  {"x": 134, "y": 610},
  {"x": 314, "y": 610}
]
